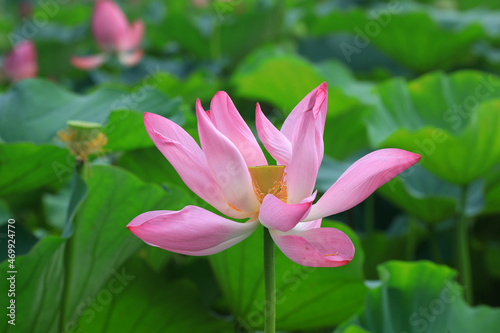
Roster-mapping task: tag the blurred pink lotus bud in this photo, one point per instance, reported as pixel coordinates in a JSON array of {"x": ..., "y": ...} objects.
[
  {"x": 113, "y": 33},
  {"x": 21, "y": 62},
  {"x": 200, "y": 3},
  {"x": 25, "y": 9}
]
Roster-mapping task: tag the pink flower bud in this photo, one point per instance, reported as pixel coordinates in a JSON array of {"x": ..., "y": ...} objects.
[
  {"x": 113, "y": 33},
  {"x": 21, "y": 62},
  {"x": 111, "y": 29}
]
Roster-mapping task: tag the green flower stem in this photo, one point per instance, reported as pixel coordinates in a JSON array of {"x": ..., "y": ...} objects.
[
  {"x": 463, "y": 247},
  {"x": 270, "y": 283},
  {"x": 411, "y": 243},
  {"x": 433, "y": 241},
  {"x": 215, "y": 46},
  {"x": 369, "y": 215},
  {"x": 67, "y": 263}
]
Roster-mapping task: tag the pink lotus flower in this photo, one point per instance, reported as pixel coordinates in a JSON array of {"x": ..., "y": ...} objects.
[
  {"x": 21, "y": 62},
  {"x": 231, "y": 173},
  {"x": 113, "y": 34}
]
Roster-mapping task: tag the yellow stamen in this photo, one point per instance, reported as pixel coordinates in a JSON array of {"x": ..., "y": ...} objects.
[
  {"x": 327, "y": 255},
  {"x": 269, "y": 179}
]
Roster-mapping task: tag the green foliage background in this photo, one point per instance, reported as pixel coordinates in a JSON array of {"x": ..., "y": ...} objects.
[{"x": 421, "y": 76}]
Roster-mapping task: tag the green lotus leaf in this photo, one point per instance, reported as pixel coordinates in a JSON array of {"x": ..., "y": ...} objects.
[
  {"x": 452, "y": 121},
  {"x": 281, "y": 79},
  {"x": 71, "y": 272},
  {"x": 402, "y": 34},
  {"x": 48, "y": 165},
  {"x": 46, "y": 108},
  {"x": 220, "y": 30},
  {"x": 152, "y": 304},
  {"x": 420, "y": 297},
  {"x": 422, "y": 195}
]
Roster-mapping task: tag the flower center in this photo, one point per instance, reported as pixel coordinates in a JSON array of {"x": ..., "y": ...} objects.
[{"x": 269, "y": 179}]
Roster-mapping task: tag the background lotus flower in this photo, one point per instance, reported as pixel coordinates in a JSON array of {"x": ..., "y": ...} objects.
[
  {"x": 21, "y": 62},
  {"x": 113, "y": 33},
  {"x": 230, "y": 172}
]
